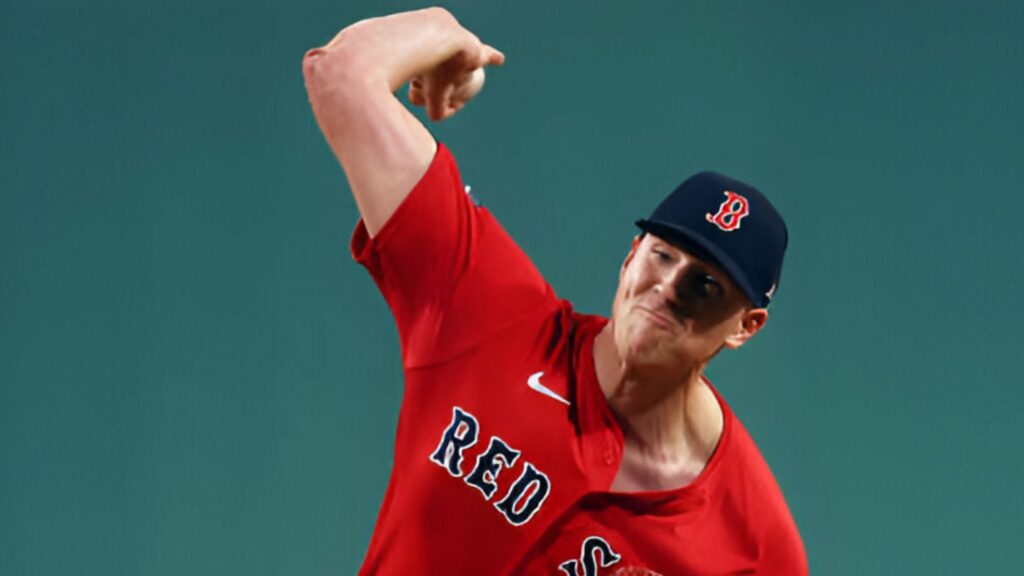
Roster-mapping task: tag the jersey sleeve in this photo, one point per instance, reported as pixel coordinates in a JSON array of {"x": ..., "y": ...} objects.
[
  {"x": 450, "y": 274},
  {"x": 783, "y": 553}
]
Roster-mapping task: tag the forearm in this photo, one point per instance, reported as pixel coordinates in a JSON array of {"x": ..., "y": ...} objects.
[
  {"x": 351, "y": 81},
  {"x": 390, "y": 50}
]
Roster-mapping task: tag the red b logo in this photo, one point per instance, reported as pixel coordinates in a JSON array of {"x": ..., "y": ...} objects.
[{"x": 730, "y": 213}]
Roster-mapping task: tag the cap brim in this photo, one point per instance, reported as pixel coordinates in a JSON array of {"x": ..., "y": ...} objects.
[{"x": 706, "y": 249}]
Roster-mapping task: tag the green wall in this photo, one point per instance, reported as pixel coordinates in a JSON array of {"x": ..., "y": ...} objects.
[{"x": 196, "y": 379}]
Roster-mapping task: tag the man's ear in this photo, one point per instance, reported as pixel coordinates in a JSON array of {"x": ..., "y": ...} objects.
[
  {"x": 751, "y": 321},
  {"x": 632, "y": 252}
]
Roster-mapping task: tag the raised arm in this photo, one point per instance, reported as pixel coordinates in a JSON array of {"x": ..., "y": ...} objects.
[{"x": 351, "y": 82}]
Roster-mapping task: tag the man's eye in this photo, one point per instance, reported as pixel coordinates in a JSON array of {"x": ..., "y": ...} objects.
[
  {"x": 662, "y": 255},
  {"x": 708, "y": 287}
]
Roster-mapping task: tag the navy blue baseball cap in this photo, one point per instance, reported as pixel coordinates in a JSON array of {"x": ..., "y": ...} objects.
[{"x": 731, "y": 223}]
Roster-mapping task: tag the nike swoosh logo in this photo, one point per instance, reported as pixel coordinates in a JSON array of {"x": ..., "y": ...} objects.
[{"x": 534, "y": 383}]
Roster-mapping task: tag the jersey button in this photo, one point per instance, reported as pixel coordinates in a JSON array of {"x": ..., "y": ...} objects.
[{"x": 609, "y": 458}]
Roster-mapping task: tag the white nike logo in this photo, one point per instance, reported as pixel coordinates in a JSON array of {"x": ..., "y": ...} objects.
[{"x": 534, "y": 383}]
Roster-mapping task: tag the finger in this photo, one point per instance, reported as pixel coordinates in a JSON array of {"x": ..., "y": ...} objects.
[
  {"x": 416, "y": 91},
  {"x": 454, "y": 108},
  {"x": 438, "y": 97},
  {"x": 493, "y": 56},
  {"x": 416, "y": 96}
]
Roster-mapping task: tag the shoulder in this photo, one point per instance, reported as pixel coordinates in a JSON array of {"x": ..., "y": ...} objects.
[{"x": 753, "y": 487}]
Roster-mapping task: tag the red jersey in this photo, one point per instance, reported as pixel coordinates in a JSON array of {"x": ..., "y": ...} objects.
[{"x": 506, "y": 448}]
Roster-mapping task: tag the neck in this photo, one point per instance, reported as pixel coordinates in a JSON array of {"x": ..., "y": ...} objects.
[{"x": 670, "y": 420}]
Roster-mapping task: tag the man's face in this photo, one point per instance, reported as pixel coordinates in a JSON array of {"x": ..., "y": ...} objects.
[{"x": 673, "y": 311}]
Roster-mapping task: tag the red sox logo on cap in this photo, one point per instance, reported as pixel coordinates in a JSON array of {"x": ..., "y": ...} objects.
[{"x": 730, "y": 213}]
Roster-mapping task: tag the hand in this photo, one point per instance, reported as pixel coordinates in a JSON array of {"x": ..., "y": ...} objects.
[{"x": 446, "y": 88}]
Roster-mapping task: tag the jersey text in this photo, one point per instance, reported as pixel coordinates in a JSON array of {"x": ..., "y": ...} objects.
[{"x": 525, "y": 495}]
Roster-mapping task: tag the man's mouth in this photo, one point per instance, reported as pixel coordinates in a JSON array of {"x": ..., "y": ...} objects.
[{"x": 659, "y": 318}]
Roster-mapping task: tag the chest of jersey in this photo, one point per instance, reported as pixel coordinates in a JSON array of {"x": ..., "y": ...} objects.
[{"x": 491, "y": 451}]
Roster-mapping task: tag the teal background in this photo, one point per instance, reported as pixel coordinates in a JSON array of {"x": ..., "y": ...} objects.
[{"x": 196, "y": 379}]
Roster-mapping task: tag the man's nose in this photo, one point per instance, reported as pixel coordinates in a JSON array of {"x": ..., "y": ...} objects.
[{"x": 670, "y": 284}]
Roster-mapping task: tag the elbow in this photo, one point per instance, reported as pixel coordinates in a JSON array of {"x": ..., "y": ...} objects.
[
  {"x": 310, "y": 64},
  {"x": 339, "y": 84},
  {"x": 335, "y": 75},
  {"x": 334, "y": 65},
  {"x": 345, "y": 60}
]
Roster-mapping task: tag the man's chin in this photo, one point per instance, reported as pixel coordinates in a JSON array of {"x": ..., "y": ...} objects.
[
  {"x": 643, "y": 347},
  {"x": 645, "y": 355}
]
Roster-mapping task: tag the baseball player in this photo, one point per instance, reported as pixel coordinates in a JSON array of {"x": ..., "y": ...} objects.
[{"x": 533, "y": 439}]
